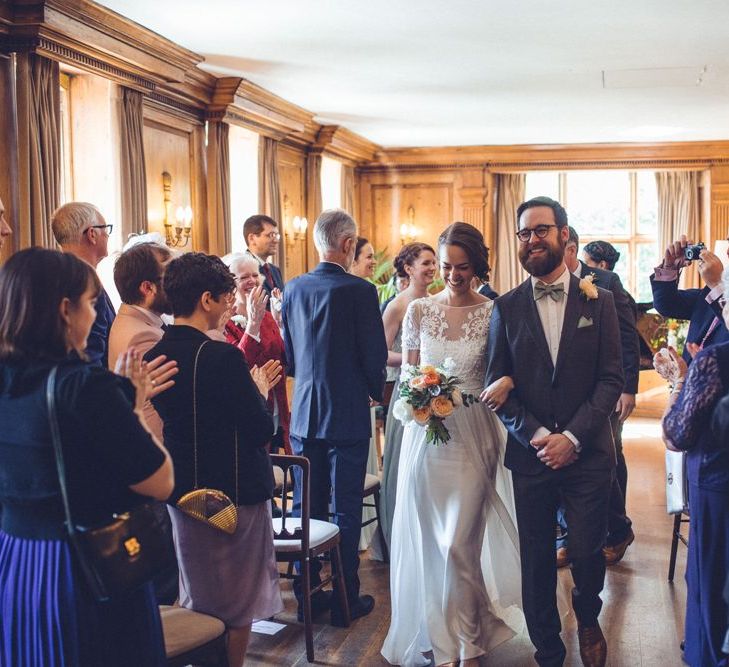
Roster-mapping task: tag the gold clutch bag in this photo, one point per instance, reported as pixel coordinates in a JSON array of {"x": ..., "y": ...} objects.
[{"x": 212, "y": 507}]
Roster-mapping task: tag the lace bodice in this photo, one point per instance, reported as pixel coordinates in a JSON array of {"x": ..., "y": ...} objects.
[{"x": 459, "y": 332}]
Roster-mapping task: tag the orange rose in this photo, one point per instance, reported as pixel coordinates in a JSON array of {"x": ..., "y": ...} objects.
[
  {"x": 441, "y": 406},
  {"x": 422, "y": 415},
  {"x": 426, "y": 370},
  {"x": 431, "y": 378},
  {"x": 418, "y": 382}
]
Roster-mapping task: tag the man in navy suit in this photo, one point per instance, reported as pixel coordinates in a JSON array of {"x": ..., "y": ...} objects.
[
  {"x": 620, "y": 532},
  {"x": 262, "y": 237},
  {"x": 80, "y": 229},
  {"x": 702, "y": 307},
  {"x": 336, "y": 350},
  {"x": 559, "y": 341}
]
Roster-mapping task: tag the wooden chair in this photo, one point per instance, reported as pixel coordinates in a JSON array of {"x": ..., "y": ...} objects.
[
  {"x": 676, "y": 536},
  {"x": 372, "y": 488},
  {"x": 193, "y": 638},
  {"x": 303, "y": 539}
]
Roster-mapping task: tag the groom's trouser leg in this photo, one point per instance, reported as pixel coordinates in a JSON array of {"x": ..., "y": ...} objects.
[
  {"x": 317, "y": 451},
  {"x": 537, "y": 499},
  {"x": 586, "y": 496}
]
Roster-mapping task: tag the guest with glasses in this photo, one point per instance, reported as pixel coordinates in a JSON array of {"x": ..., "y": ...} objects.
[
  {"x": 261, "y": 235},
  {"x": 80, "y": 229}
]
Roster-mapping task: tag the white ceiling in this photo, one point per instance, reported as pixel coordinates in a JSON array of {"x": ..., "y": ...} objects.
[{"x": 460, "y": 72}]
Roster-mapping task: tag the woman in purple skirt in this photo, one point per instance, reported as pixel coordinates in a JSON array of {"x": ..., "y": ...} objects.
[{"x": 47, "y": 615}]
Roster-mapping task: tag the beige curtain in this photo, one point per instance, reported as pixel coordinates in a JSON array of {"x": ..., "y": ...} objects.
[
  {"x": 133, "y": 173},
  {"x": 507, "y": 272},
  {"x": 678, "y": 213},
  {"x": 39, "y": 132},
  {"x": 218, "y": 155},
  {"x": 268, "y": 181},
  {"x": 348, "y": 189}
]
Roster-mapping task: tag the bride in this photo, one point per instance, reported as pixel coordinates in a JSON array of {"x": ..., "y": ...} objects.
[{"x": 454, "y": 564}]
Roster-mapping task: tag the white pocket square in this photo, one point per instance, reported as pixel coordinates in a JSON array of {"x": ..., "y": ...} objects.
[{"x": 584, "y": 322}]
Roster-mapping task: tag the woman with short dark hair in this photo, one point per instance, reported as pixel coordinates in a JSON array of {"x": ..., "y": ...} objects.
[
  {"x": 47, "y": 614},
  {"x": 216, "y": 427}
]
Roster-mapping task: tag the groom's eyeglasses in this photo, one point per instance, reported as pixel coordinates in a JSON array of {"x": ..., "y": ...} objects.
[{"x": 541, "y": 232}]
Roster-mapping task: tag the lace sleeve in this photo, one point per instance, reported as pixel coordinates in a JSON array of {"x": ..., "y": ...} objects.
[
  {"x": 693, "y": 407},
  {"x": 411, "y": 328}
]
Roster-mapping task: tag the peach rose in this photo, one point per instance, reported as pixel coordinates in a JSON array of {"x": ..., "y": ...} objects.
[
  {"x": 426, "y": 370},
  {"x": 422, "y": 415},
  {"x": 441, "y": 406},
  {"x": 587, "y": 287},
  {"x": 431, "y": 378},
  {"x": 418, "y": 382}
]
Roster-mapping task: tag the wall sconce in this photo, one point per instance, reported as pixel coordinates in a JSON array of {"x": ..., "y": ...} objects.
[
  {"x": 408, "y": 231},
  {"x": 177, "y": 235},
  {"x": 295, "y": 230}
]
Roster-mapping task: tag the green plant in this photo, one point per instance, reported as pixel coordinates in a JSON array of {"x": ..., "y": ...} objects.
[{"x": 382, "y": 278}]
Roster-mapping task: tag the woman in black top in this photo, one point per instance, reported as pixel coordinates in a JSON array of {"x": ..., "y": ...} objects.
[
  {"x": 47, "y": 616},
  {"x": 233, "y": 577}
]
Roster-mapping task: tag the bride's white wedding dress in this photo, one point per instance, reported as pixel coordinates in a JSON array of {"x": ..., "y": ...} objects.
[{"x": 454, "y": 561}]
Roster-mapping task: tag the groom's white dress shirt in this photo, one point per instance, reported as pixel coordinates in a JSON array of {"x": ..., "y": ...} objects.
[{"x": 551, "y": 315}]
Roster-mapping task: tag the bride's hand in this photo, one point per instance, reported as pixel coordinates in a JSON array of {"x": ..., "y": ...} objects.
[{"x": 495, "y": 395}]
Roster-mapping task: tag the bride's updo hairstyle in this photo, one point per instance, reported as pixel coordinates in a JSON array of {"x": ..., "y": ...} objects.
[
  {"x": 407, "y": 256},
  {"x": 468, "y": 238}
]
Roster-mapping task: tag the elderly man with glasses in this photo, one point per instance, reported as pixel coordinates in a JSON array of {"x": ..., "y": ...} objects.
[{"x": 80, "y": 229}]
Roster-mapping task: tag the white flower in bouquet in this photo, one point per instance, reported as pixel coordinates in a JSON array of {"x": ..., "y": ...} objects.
[
  {"x": 449, "y": 365},
  {"x": 402, "y": 411},
  {"x": 457, "y": 397}
]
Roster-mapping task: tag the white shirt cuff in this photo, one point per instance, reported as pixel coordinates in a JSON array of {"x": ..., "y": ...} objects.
[
  {"x": 573, "y": 440},
  {"x": 540, "y": 433},
  {"x": 715, "y": 294}
]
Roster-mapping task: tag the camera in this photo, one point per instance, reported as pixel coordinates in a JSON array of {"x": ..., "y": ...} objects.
[{"x": 692, "y": 252}]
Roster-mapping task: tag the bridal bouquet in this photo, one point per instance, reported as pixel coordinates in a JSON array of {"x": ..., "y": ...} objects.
[{"x": 428, "y": 394}]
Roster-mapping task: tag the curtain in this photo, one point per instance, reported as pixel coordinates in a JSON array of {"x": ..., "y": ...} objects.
[
  {"x": 39, "y": 102},
  {"x": 268, "y": 180},
  {"x": 508, "y": 272},
  {"x": 133, "y": 173},
  {"x": 218, "y": 154},
  {"x": 678, "y": 213},
  {"x": 348, "y": 189}
]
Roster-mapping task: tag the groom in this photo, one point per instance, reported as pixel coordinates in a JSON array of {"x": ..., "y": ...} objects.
[{"x": 558, "y": 338}]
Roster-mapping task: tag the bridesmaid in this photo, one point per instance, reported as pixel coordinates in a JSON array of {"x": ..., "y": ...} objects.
[{"x": 415, "y": 261}]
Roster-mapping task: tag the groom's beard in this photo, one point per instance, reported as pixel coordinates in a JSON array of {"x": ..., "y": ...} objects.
[{"x": 544, "y": 263}]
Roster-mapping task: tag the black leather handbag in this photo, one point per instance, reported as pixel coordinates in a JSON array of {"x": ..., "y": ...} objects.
[{"x": 121, "y": 555}]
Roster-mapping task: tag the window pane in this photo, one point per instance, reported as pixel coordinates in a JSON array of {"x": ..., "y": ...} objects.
[
  {"x": 598, "y": 203},
  {"x": 647, "y": 203},
  {"x": 331, "y": 183},
  {"x": 243, "y": 156},
  {"x": 645, "y": 262},
  {"x": 544, "y": 183}
]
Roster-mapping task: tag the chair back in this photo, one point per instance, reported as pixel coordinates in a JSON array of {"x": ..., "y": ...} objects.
[{"x": 288, "y": 464}]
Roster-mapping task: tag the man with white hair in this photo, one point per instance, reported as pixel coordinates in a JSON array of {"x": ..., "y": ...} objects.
[
  {"x": 80, "y": 229},
  {"x": 336, "y": 350}
]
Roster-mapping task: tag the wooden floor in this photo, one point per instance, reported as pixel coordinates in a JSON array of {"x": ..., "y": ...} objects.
[{"x": 642, "y": 615}]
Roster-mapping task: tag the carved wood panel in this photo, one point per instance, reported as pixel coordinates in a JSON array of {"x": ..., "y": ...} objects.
[{"x": 292, "y": 183}]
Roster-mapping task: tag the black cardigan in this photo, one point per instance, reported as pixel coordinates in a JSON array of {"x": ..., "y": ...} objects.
[{"x": 227, "y": 401}]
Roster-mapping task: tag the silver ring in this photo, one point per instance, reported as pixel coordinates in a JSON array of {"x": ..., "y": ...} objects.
[{"x": 154, "y": 382}]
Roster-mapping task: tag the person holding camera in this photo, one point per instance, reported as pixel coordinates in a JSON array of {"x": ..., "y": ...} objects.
[{"x": 702, "y": 307}]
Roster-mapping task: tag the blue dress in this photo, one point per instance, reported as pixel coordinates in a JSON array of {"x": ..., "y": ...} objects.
[
  {"x": 687, "y": 427},
  {"x": 47, "y": 616}
]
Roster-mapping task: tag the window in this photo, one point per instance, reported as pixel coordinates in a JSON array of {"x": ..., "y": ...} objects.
[
  {"x": 331, "y": 183},
  {"x": 620, "y": 207},
  {"x": 66, "y": 140},
  {"x": 243, "y": 156}
]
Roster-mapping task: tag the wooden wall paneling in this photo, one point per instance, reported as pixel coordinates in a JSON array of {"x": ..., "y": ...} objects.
[
  {"x": 719, "y": 198},
  {"x": 292, "y": 179}
]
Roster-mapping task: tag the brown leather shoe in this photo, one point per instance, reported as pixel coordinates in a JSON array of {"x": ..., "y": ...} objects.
[
  {"x": 593, "y": 647},
  {"x": 563, "y": 557},
  {"x": 616, "y": 552}
]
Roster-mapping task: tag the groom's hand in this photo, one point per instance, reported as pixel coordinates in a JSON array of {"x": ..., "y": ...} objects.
[{"x": 555, "y": 450}]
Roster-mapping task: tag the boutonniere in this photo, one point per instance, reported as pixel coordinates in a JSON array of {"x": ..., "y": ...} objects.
[{"x": 587, "y": 287}]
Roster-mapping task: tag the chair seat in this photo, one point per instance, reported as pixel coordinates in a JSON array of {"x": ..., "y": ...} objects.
[
  {"x": 185, "y": 630},
  {"x": 372, "y": 483},
  {"x": 319, "y": 533}
]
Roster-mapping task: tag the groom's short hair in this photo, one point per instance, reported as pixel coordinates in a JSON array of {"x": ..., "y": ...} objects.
[{"x": 560, "y": 215}]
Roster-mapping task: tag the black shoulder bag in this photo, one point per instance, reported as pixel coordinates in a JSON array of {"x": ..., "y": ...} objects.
[{"x": 118, "y": 557}]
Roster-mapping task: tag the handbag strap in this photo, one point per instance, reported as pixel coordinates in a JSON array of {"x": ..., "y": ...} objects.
[
  {"x": 194, "y": 424},
  {"x": 57, "y": 447}
]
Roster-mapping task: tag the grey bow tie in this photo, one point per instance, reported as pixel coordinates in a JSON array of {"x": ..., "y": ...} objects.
[{"x": 556, "y": 290}]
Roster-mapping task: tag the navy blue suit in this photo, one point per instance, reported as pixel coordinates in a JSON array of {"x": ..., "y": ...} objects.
[
  {"x": 336, "y": 350},
  {"x": 97, "y": 344},
  {"x": 690, "y": 304}
]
